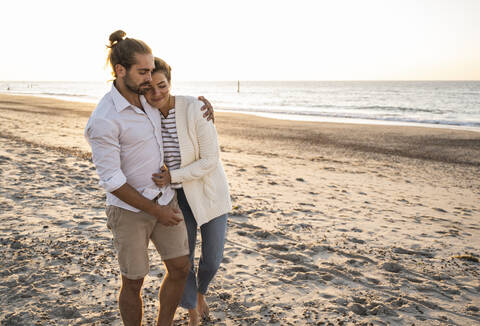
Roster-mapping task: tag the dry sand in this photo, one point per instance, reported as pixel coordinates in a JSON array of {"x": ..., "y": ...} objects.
[{"x": 333, "y": 224}]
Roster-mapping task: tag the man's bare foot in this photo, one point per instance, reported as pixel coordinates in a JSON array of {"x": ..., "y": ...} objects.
[
  {"x": 202, "y": 306},
  {"x": 194, "y": 317}
]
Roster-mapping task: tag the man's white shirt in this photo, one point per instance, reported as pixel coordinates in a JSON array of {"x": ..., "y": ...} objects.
[{"x": 126, "y": 147}]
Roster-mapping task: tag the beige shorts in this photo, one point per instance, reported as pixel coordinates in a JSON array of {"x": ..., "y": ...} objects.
[{"x": 132, "y": 232}]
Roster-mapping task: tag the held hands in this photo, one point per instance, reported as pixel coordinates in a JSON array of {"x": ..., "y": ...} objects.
[
  {"x": 166, "y": 215},
  {"x": 209, "y": 109},
  {"x": 163, "y": 178}
]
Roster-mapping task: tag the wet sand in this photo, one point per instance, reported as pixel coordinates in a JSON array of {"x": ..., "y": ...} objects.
[{"x": 333, "y": 224}]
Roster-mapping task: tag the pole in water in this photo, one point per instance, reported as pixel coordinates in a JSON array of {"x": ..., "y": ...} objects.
[{"x": 238, "y": 87}]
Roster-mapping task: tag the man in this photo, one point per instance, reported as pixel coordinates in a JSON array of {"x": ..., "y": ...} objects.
[{"x": 124, "y": 132}]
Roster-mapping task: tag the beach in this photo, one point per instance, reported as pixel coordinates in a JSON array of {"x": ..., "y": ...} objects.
[{"x": 332, "y": 224}]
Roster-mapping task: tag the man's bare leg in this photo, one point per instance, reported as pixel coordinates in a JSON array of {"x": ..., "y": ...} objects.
[
  {"x": 202, "y": 306},
  {"x": 171, "y": 289},
  {"x": 130, "y": 302}
]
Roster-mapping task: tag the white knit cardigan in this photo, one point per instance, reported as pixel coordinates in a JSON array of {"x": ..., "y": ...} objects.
[{"x": 201, "y": 172}]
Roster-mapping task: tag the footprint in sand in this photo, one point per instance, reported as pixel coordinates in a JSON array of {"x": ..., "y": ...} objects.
[
  {"x": 355, "y": 240},
  {"x": 274, "y": 246},
  {"x": 391, "y": 267}
]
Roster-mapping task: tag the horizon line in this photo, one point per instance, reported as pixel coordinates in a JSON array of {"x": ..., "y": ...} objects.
[{"x": 261, "y": 80}]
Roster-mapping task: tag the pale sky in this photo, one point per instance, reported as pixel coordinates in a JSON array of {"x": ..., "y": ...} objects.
[{"x": 247, "y": 39}]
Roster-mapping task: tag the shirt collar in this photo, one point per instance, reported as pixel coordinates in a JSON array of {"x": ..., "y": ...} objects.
[
  {"x": 120, "y": 102},
  {"x": 144, "y": 102},
  {"x": 146, "y": 106}
]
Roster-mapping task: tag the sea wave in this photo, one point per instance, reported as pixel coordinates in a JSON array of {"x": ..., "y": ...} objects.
[
  {"x": 365, "y": 116},
  {"x": 432, "y": 103}
]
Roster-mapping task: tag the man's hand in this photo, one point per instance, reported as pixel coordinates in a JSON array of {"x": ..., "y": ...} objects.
[
  {"x": 209, "y": 109},
  {"x": 163, "y": 178},
  {"x": 166, "y": 215}
]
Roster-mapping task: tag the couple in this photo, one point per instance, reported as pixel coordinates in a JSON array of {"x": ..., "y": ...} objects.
[{"x": 158, "y": 160}]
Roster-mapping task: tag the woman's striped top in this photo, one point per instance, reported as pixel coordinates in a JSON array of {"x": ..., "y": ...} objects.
[{"x": 171, "y": 149}]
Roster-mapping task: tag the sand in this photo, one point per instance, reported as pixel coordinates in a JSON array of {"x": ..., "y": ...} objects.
[{"x": 333, "y": 224}]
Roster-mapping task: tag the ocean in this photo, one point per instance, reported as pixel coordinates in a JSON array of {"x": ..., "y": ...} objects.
[{"x": 454, "y": 104}]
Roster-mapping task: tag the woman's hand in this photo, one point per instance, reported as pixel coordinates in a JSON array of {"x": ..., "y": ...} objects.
[
  {"x": 163, "y": 178},
  {"x": 209, "y": 109}
]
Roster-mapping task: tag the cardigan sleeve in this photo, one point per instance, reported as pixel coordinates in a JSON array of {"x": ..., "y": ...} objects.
[{"x": 205, "y": 134}]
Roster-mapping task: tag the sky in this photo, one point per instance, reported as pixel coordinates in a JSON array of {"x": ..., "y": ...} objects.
[{"x": 247, "y": 39}]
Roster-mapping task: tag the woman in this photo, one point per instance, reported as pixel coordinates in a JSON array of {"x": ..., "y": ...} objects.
[{"x": 194, "y": 169}]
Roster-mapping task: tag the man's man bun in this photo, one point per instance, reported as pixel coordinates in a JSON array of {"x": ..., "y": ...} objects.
[{"x": 117, "y": 36}]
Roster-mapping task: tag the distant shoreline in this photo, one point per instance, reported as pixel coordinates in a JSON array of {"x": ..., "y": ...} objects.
[
  {"x": 312, "y": 139},
  {"x": 280, "y": 116},
  {"x": 293, "y": 117}
]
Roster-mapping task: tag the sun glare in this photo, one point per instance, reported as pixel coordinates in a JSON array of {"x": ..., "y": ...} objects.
[{"x": 252, "y": 40}]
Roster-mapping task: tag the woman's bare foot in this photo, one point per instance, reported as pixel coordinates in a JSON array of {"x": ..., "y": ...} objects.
[
  {"x": 202, "y": 306},
  {"x": 194, "y": 317}
]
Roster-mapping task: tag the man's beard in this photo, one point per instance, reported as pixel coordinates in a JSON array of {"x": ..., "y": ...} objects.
[{"x": 137, "y": 89}]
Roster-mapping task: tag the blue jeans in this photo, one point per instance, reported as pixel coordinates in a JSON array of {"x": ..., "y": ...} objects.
[{"x": 213, "y": 242}]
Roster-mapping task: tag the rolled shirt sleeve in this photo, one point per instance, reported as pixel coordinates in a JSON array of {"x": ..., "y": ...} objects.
[{"x": 103, "y": 137}]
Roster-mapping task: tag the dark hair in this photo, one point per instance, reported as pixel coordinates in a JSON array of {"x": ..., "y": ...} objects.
[
  {"x": 162, "y": 66},
  {"x": 122, "y": 50}
]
